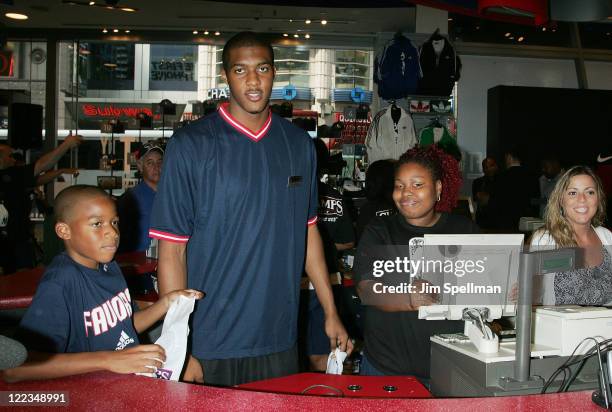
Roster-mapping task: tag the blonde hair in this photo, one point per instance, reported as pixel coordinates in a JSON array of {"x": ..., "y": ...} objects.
[{"x": 555, "y": 222}]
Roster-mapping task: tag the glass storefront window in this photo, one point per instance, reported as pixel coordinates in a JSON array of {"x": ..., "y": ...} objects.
[
  {"x": 292, "y": 66},
  {"x": 173, "y": 67},
  {"x": 352, "y": 69},
  {"x": 110, "y": 66}
]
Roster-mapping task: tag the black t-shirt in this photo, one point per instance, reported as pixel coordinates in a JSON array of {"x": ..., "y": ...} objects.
[
  {"x": 397, "y": 343},
  {"x": 14, "y": 184},
  {"x": 334, "y": 223},
  {"x": 372, "y": 209}
]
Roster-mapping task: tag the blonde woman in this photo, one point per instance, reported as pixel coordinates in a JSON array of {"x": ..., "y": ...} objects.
[{"x": 573, "y": 218}]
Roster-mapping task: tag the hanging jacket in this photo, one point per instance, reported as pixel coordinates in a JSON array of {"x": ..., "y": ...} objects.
[
  {"x": 442, "y": 137},
  {"x": 440, "y": 72},
  {"x": 396, "y": 69},
  {"x": 384, "y": 142}
]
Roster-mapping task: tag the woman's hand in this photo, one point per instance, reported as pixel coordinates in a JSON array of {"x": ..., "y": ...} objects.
[{"x": 420, "y": 297}]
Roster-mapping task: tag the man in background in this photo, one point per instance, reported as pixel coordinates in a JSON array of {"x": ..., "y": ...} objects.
[
  {"x": 481, "y": 192},
  {"x": 135, "y": 205},
  {"x": 15, "y": 180}
]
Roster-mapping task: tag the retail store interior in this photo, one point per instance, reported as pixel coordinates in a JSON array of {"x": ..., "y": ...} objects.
[{"x": 459, "y": 131}]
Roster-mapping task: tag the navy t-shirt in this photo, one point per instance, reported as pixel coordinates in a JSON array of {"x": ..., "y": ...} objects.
[
  {"x": 241, "y": 200},
  {"x": 77, "y": 309}
]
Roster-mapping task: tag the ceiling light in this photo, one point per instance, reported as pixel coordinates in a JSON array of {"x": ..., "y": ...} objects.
[
  {"x": 127, "y": 31},
  {"x": 307, "y": 21},
  {"x": 290, "y": 20},
  {"x": 115, "y": 30},
  {"x": 92, "y": 3},
  {"x": 296, "y": 36},
  {"x": 521, "y": 38},
  {"x": 110, "y": 65},
  {"x": 217, "y": 33},
  {"x": 307, "y": 36},
  {"x": 511, "y": 37},
  {"x": 104, "y": 31},
  {"x": 16, "y": 16},
  {"x": 285, "y": 35},
  {"x": 195, "y": 32},
  {"x": 543, "y": 28},
  {"x": 128, "y": 9},
  {"x": 450, "y": 19},
  {"x": 507, "y": 34},
  {"x": 324, "y": 22},
  {"x": 206, "y": 32}
]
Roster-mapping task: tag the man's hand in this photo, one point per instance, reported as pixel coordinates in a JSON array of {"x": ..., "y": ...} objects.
[
  {"x": 338, "y": 338},
  {"x": 193, "y": 371},
  {"x": 73, "y": 140},
  {"x": 138, "y": 359}
]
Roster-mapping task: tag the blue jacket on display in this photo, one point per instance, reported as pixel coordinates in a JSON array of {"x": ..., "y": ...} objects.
[{"x": 397, "y": 69}]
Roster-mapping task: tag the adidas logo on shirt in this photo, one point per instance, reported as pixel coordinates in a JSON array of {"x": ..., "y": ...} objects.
[{"x": 124, "y": 340}]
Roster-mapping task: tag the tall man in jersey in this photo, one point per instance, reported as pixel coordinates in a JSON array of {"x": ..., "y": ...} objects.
[{"x": 235, "y": 214}]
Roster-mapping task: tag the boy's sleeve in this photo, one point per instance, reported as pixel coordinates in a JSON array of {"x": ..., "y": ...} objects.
[
  {"x": 173, "y": 211},
  {"x": 46, "y": 325}
]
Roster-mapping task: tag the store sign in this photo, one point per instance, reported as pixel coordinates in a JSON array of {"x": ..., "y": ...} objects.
[
  {"x": 90, "y": 114},
  {"x": 172, "y": 70},
  {"x": 340, "y": 117},
  {"x": 218, "y": 94},
  {"x": 290, "y": 92},
  {"x": 358, "y": 95},
  {"x": 114, "y": 111}
]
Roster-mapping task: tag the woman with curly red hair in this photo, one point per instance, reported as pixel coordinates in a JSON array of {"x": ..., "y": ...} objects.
[{"x": 427, "y": 182}]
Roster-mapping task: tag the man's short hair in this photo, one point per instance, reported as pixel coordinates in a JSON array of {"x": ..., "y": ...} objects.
[
  {"x": 67, "y": 199},
  {"x": 245, "y": 39}
]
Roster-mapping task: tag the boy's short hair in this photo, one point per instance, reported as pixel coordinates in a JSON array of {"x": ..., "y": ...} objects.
[
  {"x": 245, "y": 39},
  {"x": 68, "y": 198}
]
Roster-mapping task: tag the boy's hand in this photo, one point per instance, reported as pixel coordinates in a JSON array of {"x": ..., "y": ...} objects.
[
  {"x": 174, "y": 295},
  {"x": 138, "y": 359}
]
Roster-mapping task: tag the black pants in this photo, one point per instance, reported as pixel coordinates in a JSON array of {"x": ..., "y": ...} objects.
[{"x": 235, "y": 371}]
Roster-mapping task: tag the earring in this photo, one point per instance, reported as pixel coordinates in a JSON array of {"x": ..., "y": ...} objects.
[{"x": 438, "y": 197}]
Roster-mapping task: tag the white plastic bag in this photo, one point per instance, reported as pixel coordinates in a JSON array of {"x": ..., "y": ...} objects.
[
  {"x": 335, "y": 362},
  {"x": 174, "y": 338}
]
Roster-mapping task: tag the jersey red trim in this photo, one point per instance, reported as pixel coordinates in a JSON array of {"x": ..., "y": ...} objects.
[
  {"x": 171, "y": 237},
  {"x": 256, "y": 136},
  {"x": 313, "y": 220}
]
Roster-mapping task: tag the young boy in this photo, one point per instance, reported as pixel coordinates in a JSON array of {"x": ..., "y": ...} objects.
[{"x": 81, "y": 318}]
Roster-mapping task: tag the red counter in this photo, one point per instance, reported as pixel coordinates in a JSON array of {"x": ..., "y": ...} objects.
[{"x": 110, "y": 392}]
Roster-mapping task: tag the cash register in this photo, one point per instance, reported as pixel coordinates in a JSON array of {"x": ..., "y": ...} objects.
[{"x": 478, "y": 362}]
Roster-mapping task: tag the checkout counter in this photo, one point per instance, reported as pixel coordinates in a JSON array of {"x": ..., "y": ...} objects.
[
  {"x": 545, "y": 339},
  {"x": 458, "y": 370}
]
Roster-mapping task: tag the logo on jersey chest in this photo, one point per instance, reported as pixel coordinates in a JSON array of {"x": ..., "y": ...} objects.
[{"x": 107, "y": 315}]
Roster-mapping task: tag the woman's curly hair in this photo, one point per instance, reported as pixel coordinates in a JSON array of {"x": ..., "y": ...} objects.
[{"x": 443, "y": 167}]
